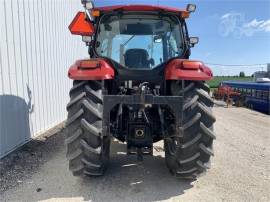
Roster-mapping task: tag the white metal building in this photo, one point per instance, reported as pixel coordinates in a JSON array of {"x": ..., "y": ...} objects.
[{"x": 36, "y": 50}]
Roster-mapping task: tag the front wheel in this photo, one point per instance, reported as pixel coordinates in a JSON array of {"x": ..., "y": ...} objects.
[{"x": 188, "y": 153}]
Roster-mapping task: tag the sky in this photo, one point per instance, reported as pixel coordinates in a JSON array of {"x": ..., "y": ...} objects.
[{"x": 231, "y": 31}]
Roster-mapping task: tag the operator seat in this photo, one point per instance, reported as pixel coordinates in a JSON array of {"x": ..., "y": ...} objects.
[{"x": 137, "y": 58}]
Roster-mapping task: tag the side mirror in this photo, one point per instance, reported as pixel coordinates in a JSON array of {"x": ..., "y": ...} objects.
[{"x": 193, "y": 41}]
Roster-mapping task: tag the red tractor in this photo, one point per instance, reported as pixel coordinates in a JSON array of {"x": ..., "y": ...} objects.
[{"x": 138, "y": 86}]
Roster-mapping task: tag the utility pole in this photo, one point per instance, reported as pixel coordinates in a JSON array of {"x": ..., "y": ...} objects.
[{"x": 268, "y": 70}]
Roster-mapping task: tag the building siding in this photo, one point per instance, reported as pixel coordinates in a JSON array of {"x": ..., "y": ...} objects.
[{"x": 36, "y": 49}]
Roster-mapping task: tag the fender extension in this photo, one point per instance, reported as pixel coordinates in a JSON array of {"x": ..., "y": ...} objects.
[
  {"x": 180, "y": 69},
  {"x": 91, "y": 69}
]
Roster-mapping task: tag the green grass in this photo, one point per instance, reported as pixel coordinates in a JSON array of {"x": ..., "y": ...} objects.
[{"x": 214, "y": 83}]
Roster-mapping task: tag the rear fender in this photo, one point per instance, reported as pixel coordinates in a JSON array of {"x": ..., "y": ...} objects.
[
  {"x": 181, "y": 69},
  {"x": 91, "y": 69}
]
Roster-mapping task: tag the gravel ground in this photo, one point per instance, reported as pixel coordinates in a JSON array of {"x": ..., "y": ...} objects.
[{"x": 240, "y": 169}]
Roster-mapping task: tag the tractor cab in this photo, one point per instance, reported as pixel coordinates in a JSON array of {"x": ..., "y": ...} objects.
[
  {"x": 140, "y": 40},
  {"x": 138, "y": 37}
]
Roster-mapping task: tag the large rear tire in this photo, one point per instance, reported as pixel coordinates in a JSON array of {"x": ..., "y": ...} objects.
[
  {"x": 188, "y": 153},
  {"x": 87, "y": 149}
]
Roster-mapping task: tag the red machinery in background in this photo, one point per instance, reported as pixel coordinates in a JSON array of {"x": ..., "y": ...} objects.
[{"x": 227, "y": 94}]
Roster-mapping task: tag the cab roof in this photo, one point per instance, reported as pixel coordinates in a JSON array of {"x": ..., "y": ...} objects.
[{"x": 141, "y": 8}]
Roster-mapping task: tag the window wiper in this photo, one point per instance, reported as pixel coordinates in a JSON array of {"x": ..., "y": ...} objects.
[{"x": 124, "y": 44}]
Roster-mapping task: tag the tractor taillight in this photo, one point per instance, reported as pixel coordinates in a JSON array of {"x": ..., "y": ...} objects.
[
  {"x": 81, "y": 25},
  {"x": 191, "y": 65},
  {"x": 89, "y": 64}
]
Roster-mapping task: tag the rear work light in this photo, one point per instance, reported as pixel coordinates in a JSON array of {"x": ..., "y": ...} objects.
[
  {"x": 191, "y": 8},
  {"x": 81, "y": 25},
  {"x": 88, "y": 4}
]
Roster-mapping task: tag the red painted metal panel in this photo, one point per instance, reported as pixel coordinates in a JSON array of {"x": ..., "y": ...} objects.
[
  {"x": 98, "y": 69},
  {"x": 179, "y": 69},
  {"x": 139, "y": 8}
]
